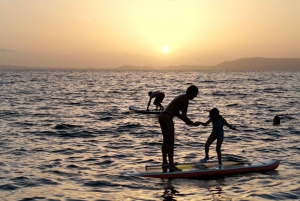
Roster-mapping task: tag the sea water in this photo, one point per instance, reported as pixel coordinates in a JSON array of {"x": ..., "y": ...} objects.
[{"x": 68, "y": 135}]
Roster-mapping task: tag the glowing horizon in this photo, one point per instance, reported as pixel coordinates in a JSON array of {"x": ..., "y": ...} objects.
[{"x": 110, "y": 33}]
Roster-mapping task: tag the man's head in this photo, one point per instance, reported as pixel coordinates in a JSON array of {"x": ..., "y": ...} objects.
[
  {"x": 149, "y": 93},
  {"x": 192, "y": 92}
]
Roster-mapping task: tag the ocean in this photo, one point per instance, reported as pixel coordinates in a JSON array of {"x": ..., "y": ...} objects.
[{"x": 69, "y": 135}]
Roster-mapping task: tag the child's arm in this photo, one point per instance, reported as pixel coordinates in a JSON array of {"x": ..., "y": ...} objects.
[
  {"x": 149, "y": 102},
  {"x": 227, "y": 124},
  {"x": 206, "y": 123}
]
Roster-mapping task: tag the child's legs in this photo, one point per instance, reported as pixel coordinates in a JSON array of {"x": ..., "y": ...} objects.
[
  {"x": 158, "y": 100},
  {"x": 209, "y": 141},
  {"x": 158, "y": 104},
  {"x": 218, "y": 148},
  {"x": 155, "y": 103}
]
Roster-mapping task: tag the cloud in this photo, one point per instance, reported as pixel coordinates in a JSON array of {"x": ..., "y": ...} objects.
[{"x": 7, "y": 50}]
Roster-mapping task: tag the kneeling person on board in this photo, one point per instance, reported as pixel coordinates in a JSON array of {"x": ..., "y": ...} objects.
[
  {"x": 217, "y": 134},
  {"x": 181, "y": 102},
  {"x": 159, "y": 97}
]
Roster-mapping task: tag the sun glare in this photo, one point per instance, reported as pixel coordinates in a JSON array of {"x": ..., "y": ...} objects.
[{"x": 165, "y": 48}]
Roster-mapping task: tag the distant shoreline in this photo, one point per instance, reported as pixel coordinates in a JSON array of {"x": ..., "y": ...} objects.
[{"x": 244, "y": 64}]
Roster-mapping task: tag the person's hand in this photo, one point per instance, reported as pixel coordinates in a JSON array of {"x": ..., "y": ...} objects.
[{"x": 233, "y": 128}]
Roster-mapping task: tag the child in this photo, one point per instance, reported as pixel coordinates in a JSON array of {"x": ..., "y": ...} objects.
[
  {"x": 217, "y": 134},
  {"x": 276, "y": 120},
  {"x": 159, "y": 97}
]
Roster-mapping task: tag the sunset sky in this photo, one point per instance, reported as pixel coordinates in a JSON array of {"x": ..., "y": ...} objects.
[{"x": 111, "y": 33}]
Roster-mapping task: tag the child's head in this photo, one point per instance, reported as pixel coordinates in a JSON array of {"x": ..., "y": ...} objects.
[
  {"x": 213, "y": 113},
  {"x": 149, "y": 93},
  {"x": 192, "y": 92},
  {"x": 276, "y": 120}
]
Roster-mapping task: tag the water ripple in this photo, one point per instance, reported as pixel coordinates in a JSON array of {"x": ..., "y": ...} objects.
[{"x": 68, "y": 135}]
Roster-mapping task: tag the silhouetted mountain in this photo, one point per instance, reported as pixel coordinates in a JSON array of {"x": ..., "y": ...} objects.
[
  {"x": 247, "y": 64},
  {"x": 187, "y": 68},
  {"x": 134, "y": 68},
  {"x": 244, "y": 64},
  {"x": 259, "y": 63}
]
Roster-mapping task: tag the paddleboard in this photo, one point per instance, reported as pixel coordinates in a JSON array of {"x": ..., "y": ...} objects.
[
  {"x": 136, "y": 110},
  {"x": 208, "y": 169}
]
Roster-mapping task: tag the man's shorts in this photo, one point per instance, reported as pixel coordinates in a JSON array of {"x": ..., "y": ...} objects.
[{"x": 159, "y": 98}]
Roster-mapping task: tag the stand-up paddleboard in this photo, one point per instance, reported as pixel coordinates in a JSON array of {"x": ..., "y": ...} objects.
[
  {"x": 208, "y": 169},
  {"x": 136, "y": 110}
]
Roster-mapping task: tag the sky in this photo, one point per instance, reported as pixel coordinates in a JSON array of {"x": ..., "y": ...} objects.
[{"x": 158, "y": 33}]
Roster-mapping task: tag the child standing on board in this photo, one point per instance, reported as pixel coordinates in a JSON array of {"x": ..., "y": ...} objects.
[{"x": 217, "y": 134}]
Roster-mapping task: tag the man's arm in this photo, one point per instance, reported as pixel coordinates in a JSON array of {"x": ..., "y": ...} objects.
[
  {"x": 183, "y": 116},
  {"x": 185, "y": 119}
]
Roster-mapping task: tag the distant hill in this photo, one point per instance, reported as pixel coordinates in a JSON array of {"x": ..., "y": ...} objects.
[
  {"x": 259, "y": 63},
  {"x": 134, "y": 68},
  {"x": 187, "y": 68},
  {"x": 244, "y": 64},
  {"x": 247, "y": 64}
]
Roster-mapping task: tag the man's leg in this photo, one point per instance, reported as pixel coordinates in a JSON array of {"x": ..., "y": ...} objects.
[{"x": 167, "y": 127}]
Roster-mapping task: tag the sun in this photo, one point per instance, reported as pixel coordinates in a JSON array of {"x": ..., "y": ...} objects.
[{"x": 165, "y": 48}]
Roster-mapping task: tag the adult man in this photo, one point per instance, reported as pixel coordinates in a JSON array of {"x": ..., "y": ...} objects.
[{"x": 180, "y": 103}]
